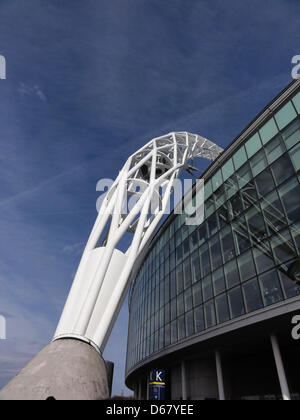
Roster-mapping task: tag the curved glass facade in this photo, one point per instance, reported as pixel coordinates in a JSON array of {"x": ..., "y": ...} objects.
[{"x": 242, "y": 258}]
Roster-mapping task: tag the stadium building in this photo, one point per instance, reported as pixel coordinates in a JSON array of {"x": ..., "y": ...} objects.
[{"x": 212, "y": 305}]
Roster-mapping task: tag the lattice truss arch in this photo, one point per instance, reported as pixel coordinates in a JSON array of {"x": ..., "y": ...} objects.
[{"x": 149, "y": 176}]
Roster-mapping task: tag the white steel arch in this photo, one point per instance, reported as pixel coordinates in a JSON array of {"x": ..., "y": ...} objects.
[{"x": 102, "y": 279}]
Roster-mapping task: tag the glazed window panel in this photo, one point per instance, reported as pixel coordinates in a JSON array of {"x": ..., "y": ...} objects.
[
  {"x": 295, "y": 156},
  {"x": 291, "y": 134},
  {"x": 217, "y": 180},
  {"x": 195, "y": 267},
  {"x": 216, "y": 253},
  {"x": 252, "y": 294},
  {"x": 208, "y": 189},
  {"x": 180, "y": 305},
  {"x": 273, "y": 212},
  {"x": 264, "y": 183},
  {"x": 212, "y": 224},
  {"x": 228, "y": 169},
  {"x": 296, "y": 101},
  {"x": 231, "y": 186},
  {"x": 174, "y": 336},
  {"x": 189, "y": 324},
  {"x": 253, "y": 145},
  {"x": 236, "y": 302},
  {"x": 285, "y": 115},
  {"x": 259, "y": 163},
  {"x": 222, "y": 309},
  {"x": 173, "y": 309},
  {"x": 167, "y": 335},
  {"x": 202, "y": 234},
  {"x": 270, "y": 287},
  {"x": 283, "y": 247},
  {"x": 227, "y": 244},
  {"x": 289, "y": 194},
  {"x": 268, "y": 131},
  {"x": 210, "y": 314},
  {"x": 181, "y": 328},
  {"x": 282, "y": 169},
  {"x": 205, "y": 260},
  {"x": 289, "y": 286},
  {"x": 244, "y": 175},
  {"x": 231, "y": 274},
  {"x": 197, "y": 294},
  {"x": 187, "y": 273},
  {"x": 275, "y": 149},
  {"x": 199, "y": 319},
  {"x": 263, "y": 258},
  {"x": 207, "y": 290},
  {"x": 256, "y": 224},
  {"x": 240, "y": 158},
  {"x": 246, "y": 266},
  {"x": 218, "y": 281}
]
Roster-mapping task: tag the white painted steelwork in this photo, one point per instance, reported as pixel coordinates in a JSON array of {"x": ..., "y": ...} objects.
[{"x": 102, "y": 279}]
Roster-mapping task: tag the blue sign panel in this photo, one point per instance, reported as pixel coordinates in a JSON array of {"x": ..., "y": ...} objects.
[{"x": 157, "y": 384}]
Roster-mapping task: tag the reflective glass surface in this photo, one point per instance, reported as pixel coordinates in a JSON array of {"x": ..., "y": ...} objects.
[{"x": 245, "y": 255}]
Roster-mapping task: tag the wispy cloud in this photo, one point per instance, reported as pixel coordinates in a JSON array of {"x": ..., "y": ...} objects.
[{"x": 36, "y": 91}]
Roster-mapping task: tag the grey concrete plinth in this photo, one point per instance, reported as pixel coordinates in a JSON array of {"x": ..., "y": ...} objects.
[{"x": 66, "y": 369}]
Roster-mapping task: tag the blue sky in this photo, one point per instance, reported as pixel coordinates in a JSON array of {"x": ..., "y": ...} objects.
[{"x": 88, "y": 82}]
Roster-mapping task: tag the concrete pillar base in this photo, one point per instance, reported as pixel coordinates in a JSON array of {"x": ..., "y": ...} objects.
[{"x": 65, "y": 369}]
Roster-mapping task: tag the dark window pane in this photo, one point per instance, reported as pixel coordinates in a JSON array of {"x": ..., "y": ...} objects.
[
  {"x": 181, "y": 328},
  {"x": 244, "y": 175},
  {"x": 282, "y": 169},
  {"x": 212, "y": 224},
  {"x": 231, "y": 186},
  {"x": 207, "y": 288},
  {"x": 202, "y": 232},
  {"x": 218, "y": 281},
  {"x": 290, "y": 287},
  {"x": 271, "y": 289},
  {"x": 283, "y": 246},
  {"x": 275, "y": 149},
  {"x": 246, "y": 266},
  {"x": 216, "y": 253},
  {"x": 199, "y": 319},
  {"x": 210, "y": 316},
  {"x": 194, "y": 240},
  {"x": 249, "y": 195},
  {"x": 289, "y": 194},
  {"x": 241, "y": 236},
  {"x": 222, "y": 309},
  {"x": 179, "y": 278},
  {"x": 235, "y": 206},
  {"x": 252, "y": 295},
  {"x": 188, "y": 302},
  {"x": 173, "y": 331},
  {"x": 173, "y": 309},
  {"x": 173, "y": 284},
  {"x": 291, "y": 134},
  {"x": 180, "y": 305},
  {"x": 195, "y": 267},
  {"x": 187, "y": 273},
  {"x": 205, "y": 260},
  {"x": 227, "y": 244},
  {"x": 264, "y": 183},
  {"x": 236, "y": 303},
  {"x": 256, "y": 224},
  {"x": 258, "y": 163},
  {"x": 189, "y": 324},
  {"x": 179, "y": 254},
  {"x": 197, "y": 294},
  {"x": 273, "y": 212},
  {"x": 231, "y": 274},
  {"x": 186, "y": 247},
  {"x": 220, "y": 197},
  {"x": 263, "y": 258}
]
